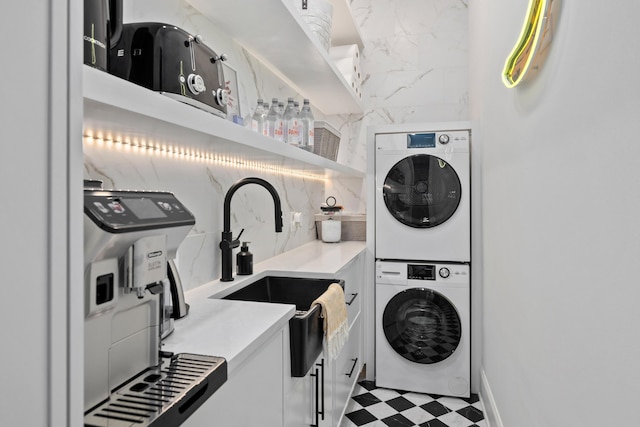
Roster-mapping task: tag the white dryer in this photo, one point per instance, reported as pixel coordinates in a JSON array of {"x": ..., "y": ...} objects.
[
  {"x": 423, "y": 327},
  {"x": 422, "y": 196}
]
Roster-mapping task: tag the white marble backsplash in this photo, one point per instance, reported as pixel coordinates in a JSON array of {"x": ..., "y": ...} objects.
[
  {"x": 415, "y": 63},
  {"x": 202, "y": 188}
]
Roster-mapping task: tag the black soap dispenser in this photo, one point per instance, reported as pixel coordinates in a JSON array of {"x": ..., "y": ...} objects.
[{"x": 244, "y": 260}]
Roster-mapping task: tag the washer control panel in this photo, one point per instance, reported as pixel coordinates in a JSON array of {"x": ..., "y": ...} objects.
[{"x": 397, "y": 272}]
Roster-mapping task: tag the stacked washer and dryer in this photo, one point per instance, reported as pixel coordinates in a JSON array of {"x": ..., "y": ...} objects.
[{"x": 423, "y": 251}]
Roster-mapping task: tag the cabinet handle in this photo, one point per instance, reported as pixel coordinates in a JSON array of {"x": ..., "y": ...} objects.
[
  {"x": 355, "y": 362},
  {"x": 353, "y": 298},
  {"x": 321, "y": 364},
  {"x": 317, "y": 423}
]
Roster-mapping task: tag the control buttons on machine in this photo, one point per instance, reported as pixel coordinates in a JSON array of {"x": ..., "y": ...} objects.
[
  {"x": 101, "y": 207},
  {"x": 444, "y": 272},
  {"x": 116, "y": 207},
  {"x": 443, "y": 139},
  {"x": 196, "y": 84},
  {"x": 222, "y": 96}
]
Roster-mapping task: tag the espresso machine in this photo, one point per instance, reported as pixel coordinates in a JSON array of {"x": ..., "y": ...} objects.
[{"x": 129, "y": 239}]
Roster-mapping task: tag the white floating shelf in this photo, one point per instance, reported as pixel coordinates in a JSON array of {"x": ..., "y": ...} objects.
[
  {"x": 344, "y": 30},
  {"x": 275, "y": 34},
  {"x": 120, "y": 110}
]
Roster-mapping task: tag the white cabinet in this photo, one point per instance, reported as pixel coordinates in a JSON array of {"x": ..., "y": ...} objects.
[
  {"x": 353, "y": 274},
  {"x": 253, "y": 394},
  {"x": 347, "y": 367},
  {"x": 321, "y": 397},
  {"x": 310, "y": 398}
]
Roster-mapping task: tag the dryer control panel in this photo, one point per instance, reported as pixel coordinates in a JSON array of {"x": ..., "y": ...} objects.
[{"x": 392, "y": 272}]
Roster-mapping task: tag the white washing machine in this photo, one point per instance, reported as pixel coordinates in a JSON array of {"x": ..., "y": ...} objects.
[
  {"x": 423, "y": 327},
  {"x": 422, "y": 196}
]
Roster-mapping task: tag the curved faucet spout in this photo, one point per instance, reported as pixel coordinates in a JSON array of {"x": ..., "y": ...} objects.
[
  {"x": 261, "y": 182},
  {"x": 228, "y": 242}
]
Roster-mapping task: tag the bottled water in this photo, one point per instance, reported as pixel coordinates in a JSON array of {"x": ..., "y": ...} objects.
[
  {"x": 306, "y": 122},
  {"x": 257, "y": 120},
  {"x": 274, "y": 122},
  {"x": 291, "y": 131}
]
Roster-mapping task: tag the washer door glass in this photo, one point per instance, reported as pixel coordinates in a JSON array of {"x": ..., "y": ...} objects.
[
  {"x": 422, "y": 191},
  {"x": 422, "y": 325}
]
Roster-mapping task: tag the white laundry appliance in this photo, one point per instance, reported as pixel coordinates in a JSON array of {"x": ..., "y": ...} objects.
[
  {"x": 423, "y": 327},
  {"x": 422, "y": 196}
]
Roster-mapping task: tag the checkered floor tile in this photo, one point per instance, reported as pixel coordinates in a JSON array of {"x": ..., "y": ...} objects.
[{"x": 379, "y": 407}]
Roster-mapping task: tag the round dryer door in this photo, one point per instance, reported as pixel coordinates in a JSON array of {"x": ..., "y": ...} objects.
[
  {"x": 422, "y": 325},
  {"x": 422, "y": 191}
]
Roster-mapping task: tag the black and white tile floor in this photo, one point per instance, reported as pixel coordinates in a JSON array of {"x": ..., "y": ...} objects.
[{"x": 370, "y": 406}]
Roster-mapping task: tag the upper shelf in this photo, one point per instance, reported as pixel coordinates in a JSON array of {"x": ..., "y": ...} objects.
[
  {"x": 344, "y": 30},
  {"x": 274, "y": 32},
  {"x": 119, "y": 110}
]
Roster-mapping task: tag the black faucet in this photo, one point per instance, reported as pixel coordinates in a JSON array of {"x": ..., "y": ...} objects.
[{"x": 228, "y": 243}]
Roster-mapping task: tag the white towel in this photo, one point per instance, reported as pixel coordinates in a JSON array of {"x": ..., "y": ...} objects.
[{"x": 336, "y": 321}]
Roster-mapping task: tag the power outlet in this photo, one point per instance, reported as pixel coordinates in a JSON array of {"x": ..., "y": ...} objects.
[{"x": 296, "y": 220}]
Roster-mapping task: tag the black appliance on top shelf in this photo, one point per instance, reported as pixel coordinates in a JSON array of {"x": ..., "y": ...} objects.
[
  {"x": 102, "y": 29},
  {"x": 167, "y": 59}
]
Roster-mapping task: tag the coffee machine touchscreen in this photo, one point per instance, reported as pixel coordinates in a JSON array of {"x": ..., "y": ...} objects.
[{"x": 145, "y": 208}]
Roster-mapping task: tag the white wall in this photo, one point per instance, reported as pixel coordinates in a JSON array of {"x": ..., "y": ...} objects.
[
  {"x": 560, "y": 203},
  {"x": 38, "y": 264}
]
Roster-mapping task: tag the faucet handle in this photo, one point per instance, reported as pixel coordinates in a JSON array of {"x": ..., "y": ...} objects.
[{"x": 238, "y": 236}]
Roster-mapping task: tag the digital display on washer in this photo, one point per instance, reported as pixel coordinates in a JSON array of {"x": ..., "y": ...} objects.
[
  {"x": 421, "y": 140},
  {"x": 421, "y": 272},
  {"x": 144, "y": 208}
]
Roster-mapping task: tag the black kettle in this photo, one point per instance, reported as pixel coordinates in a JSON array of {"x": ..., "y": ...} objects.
[{"x": 102, "y": 29}]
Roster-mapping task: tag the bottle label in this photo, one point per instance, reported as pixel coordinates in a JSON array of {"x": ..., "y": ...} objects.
[
  {"x": 278, "y": 132},
  {"x": 293, "y": 132}
]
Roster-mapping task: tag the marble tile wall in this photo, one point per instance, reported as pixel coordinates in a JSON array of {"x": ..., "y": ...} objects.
[
  {"x": 415, "y": 67},
  {"x": 415, "y": 60}
]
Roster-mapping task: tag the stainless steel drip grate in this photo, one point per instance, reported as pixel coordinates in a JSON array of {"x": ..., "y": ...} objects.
[{"x": 162, "y": 396}]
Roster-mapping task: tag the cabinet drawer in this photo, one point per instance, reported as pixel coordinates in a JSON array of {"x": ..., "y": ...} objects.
[
  {"x": 347, "y": 368},
  {"x": 352, "y": 298}
]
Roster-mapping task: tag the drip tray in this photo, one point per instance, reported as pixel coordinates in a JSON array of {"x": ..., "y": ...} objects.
[{"x": 164, "y": 396}]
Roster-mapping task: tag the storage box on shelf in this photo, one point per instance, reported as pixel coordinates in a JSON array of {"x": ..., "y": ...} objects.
[
  {"x": 326, "y": 140},
  {"x": 353, "y": 226}
]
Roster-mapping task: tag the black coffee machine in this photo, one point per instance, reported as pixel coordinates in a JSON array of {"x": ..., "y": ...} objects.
[{"x": 102, "y": 29}]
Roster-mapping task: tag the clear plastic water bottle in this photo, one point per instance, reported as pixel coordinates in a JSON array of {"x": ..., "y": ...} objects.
[
  {"x": 306, "y": 124},
  {"x": 257, "y": 120},
  {"x": 291, "y": 132},
  {"x": 296, "y": 108},
  {"x": 279, "y": 130},
  {"x": 274, "y": 121}
]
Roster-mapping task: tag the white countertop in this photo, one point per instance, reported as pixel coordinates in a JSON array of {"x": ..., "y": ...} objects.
[{"x": 235, "y": 329}]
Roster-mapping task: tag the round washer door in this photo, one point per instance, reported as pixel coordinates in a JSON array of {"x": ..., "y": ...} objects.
[
  {"x": 422, "y": 191},
  {"x": 422, "y": 325}
]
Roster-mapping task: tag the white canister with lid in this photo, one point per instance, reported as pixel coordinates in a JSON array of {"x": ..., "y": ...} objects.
[{"x": 331, "y": 226}]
